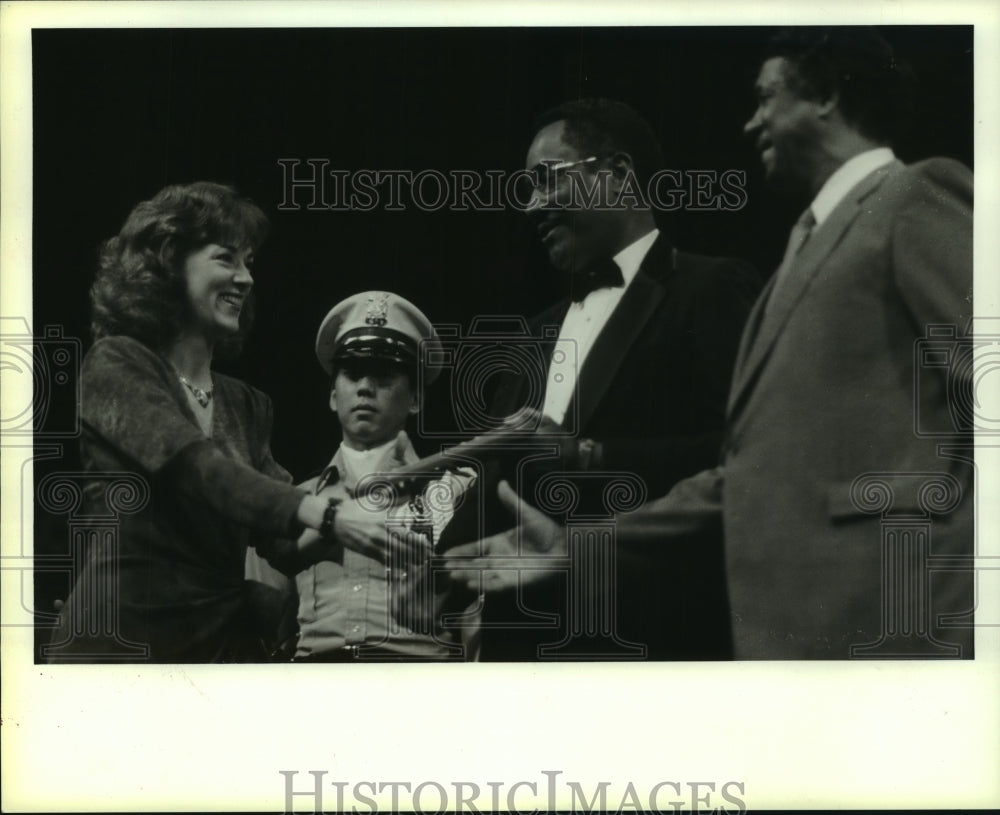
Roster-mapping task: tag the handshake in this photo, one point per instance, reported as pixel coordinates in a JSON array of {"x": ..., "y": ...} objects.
[
  {"x": 376, "y": 520},
  {"x": 391, "y": 517},
  {"x": 381, "y": 520}
]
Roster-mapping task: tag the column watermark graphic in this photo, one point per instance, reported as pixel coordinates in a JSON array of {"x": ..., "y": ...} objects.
[
  {"x": 94, "y": 543},
  {"x": 592, "y": 598},
  {"x": 907, "y": 559}
]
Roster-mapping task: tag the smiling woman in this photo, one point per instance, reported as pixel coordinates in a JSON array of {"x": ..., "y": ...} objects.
[
  {"x": 218, "y": 282},
  {"x": 173, "y": 287}
]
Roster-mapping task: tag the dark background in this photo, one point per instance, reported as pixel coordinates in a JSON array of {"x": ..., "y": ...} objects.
[{"x": 118, "y": 114}]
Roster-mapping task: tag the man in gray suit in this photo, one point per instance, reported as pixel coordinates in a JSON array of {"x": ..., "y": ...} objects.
[{"x": 845, "y": 490}]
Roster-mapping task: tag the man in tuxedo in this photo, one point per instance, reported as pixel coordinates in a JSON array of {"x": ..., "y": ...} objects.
[
  {"x": 845, "y": 489},
  {"x": 653, "y": 333}
]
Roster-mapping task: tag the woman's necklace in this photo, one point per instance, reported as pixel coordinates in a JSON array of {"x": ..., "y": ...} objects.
[{"x": 203, "y": 397}]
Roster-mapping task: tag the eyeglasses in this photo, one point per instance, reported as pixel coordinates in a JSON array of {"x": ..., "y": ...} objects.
[
  {"x": 549, "y": 173},
  {"x": 545, "y": 177}
]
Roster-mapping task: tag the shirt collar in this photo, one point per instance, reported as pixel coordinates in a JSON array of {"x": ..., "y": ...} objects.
[
  {"x": 845, "y": 177},
  {"x": 363, "y": 457},
  {"x": 630, "y": 258},
  {"x": 360, "y": 462}
]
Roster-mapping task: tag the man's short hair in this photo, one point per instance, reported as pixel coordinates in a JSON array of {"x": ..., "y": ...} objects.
[
  {"x": 874, "y": 88},
  {"x": 602, "y": 127}
]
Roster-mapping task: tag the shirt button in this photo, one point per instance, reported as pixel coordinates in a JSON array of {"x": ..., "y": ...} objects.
[
  {"x": 357, "y": 587},
  {"x": 355, "y": 628}
]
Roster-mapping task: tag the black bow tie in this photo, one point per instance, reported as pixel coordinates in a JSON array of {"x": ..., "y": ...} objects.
[{"x": 602, "y": 275}]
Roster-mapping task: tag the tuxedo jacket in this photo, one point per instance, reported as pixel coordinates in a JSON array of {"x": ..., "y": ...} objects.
[
  {"x": 653, "y": 388},
  {"x": 846, "y": 486},
  {"x": 652, "y": 392}
]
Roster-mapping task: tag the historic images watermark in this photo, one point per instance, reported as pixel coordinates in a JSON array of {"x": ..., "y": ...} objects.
[
  {"x": 314, "y": 793},
  {"x": 310, "y": 184}
]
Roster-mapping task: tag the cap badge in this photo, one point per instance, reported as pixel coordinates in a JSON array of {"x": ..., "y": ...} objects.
[{"x": 378, "y": 309}]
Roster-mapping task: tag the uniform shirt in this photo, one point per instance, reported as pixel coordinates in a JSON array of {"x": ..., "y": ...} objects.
[
  {"x": 349, "y": 604},
  {"x": 583, "y": 324}
]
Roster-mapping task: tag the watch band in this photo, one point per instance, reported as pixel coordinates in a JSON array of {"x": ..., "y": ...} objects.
[{"x": 329, "y": 515}]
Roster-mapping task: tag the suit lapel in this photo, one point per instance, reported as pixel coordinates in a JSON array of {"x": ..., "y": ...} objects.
[
  {"x": 626, "y": 322},
  {"x": 768, "y": 319},
  {"x": 750, "y": 331}
]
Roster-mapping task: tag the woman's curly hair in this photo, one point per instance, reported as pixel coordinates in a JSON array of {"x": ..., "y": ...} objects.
[{"x": 139, "y": 289}]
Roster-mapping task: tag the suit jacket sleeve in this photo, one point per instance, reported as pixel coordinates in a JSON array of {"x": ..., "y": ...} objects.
[
  {"x": 932, "y": 244},
  {"x": 931, "y": 264},
  {"x": 692, "y": 510}
]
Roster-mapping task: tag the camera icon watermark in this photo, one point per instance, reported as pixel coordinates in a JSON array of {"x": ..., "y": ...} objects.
[
  {"x": 963, "y": 368},
  {"x": 40, "y": 374},
  {"x": 498, "y": 369}
]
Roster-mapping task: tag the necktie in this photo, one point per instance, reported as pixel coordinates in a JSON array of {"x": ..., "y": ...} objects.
[
  {"x": 602, "y": 275},
  {"x": 796, "y": 240}
]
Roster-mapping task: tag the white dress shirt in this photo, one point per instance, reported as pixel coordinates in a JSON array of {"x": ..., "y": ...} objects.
[
  {"x": 359, "y": 463},
  {"x": 846, "y": 176},
  {"x": 583, "y": 324}
]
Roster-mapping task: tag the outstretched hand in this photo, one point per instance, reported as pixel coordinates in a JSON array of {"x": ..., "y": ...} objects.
[
  {"x": 528, "y": 553},
  {"x": 370, "y": 532}
]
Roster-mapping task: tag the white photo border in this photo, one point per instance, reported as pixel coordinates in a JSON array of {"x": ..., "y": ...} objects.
[{"x": 204, "y": 738}]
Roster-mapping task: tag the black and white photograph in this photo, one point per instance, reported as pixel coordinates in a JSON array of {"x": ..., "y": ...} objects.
[{"x": 602, "y": 375}]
